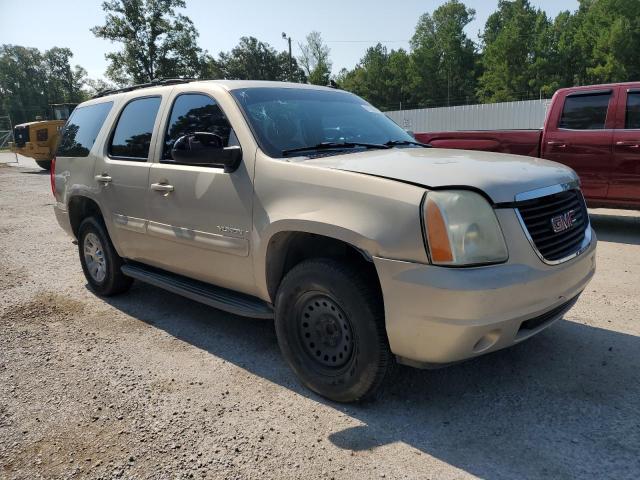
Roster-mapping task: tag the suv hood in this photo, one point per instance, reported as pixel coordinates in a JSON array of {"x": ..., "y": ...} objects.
[{"x": 499, "y": 175}]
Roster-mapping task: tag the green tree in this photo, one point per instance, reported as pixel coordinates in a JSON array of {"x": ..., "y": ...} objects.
[
  {"x": 381, "y": 78},
  {"x": 31, "y": 80},
  {"x": 157, "y": 42},
  {"x": 94, "y": 86},
  {"x": 607, "y": 38},
  {"x": 315, "y": 59},
  {"x": 63, "y": 81},
  {"x": 443, "y": 57},
  {"x": 517, "y": 53},
  {"x": 252, "y": 59},
  {"x": 569, "y": 62}
]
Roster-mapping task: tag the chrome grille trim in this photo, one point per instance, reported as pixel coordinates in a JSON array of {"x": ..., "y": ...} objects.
[{"x": 544, "y": 192}]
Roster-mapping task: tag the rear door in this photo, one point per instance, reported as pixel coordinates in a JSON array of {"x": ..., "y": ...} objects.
[
  {"x": 580, "y": 136},
  {"x": 122, "y": 171},
  {"x": 77, "y": 151},
  {"x": 200, "y": 216},
  {"x": 625, "y": 173}
]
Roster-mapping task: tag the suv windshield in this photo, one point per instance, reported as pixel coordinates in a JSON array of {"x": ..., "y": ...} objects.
[{"x": 285, "y": 119}]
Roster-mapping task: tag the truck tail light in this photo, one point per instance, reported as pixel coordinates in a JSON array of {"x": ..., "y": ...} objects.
[{"x": 52, "y": 174}]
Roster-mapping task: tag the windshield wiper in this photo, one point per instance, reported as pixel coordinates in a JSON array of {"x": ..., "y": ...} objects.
[
  {"x": 395, "y": 143},
  {"x": 335, "y": 145}
]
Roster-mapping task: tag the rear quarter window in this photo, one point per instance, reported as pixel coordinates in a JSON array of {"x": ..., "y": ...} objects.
[{"x": 81, "y": 130}]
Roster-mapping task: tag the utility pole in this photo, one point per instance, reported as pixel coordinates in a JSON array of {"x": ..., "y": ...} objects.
[
  {"x": 288, "y": 39},
  {"x": 448, "y": 86}
]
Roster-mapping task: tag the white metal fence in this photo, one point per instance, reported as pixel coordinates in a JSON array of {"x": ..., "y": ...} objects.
[{"x": 492, "y": 116}]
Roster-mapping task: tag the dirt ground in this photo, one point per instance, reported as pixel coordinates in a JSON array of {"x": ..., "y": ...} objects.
[{"x": 152, "y": 385}]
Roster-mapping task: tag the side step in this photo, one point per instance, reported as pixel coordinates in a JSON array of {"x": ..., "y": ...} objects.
[{"x": 217, "y": 297}]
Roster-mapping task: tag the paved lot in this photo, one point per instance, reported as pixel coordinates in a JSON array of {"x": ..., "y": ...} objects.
[{"x": 151, "y": 385}]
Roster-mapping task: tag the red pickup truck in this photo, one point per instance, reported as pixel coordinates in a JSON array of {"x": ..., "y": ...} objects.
[{"x": 594, "y": 129}]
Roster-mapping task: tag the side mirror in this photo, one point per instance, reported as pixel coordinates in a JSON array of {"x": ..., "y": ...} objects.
[{"x": 206, "y": 149}]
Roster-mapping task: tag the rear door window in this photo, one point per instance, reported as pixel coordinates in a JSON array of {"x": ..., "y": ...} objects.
[
  {"x": 191, "y": 113},
  {"x": 132, "y": 136},
  {"x": 585, "y": 112},
  {"x": 81, "y": 131},
  {"x": 632, "y": 120}
]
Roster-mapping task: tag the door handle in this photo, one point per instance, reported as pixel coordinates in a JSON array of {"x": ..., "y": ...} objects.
[
  {"x": 103, "y": 178},
  {"x": 162, "y": 187},
  {"x": 629, "y": 143},
  {"x": 557, "y": 144}
]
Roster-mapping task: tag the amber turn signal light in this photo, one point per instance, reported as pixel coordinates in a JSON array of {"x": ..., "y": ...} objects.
[{"x": 437, "y": 235}]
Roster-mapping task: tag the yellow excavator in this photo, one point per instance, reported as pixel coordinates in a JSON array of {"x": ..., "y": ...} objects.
[{"x": 39, "y": 139}]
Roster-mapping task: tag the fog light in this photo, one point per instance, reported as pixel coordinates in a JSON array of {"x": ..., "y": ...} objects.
[{"x": 486, "y": 341}]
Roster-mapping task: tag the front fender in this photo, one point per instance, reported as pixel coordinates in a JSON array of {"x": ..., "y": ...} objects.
[{"x": 378, "y": 216}]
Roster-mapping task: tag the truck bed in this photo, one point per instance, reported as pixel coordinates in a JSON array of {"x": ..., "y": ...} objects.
[{"x": 519, "y": 142}]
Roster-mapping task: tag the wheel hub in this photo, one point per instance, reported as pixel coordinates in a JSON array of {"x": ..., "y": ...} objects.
[
  {"x": 94, "y": 257},
  {"x": 325, "y": 331}
]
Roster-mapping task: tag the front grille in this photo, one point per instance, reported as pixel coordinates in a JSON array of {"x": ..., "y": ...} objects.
[{"x": 539, "y": 214}]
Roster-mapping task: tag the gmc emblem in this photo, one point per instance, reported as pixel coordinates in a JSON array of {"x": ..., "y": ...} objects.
[{"x": 564, "y": 221}]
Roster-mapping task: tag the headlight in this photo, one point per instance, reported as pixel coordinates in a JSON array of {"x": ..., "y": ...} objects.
[{"x": 462, "y": 229}]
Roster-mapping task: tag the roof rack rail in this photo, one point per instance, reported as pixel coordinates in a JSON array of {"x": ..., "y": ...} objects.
[{"x": 153, "y": 83}]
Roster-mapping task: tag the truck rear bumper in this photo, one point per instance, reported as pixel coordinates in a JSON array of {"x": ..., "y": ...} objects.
[{"x": 437, "y": 315}]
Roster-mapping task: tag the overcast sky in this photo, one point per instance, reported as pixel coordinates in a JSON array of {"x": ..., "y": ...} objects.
[{"x": 348, "y": 27}]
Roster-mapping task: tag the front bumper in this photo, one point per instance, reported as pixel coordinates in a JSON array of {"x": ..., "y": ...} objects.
[{"x": 439, "y": 315}]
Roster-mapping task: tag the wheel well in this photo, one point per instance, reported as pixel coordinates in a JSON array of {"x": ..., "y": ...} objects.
[
  {"x": 287, "y": 249},
  {"x": 81, "y": 208}
]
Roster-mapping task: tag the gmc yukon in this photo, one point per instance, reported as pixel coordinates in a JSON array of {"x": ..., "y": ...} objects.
[{"x": 306, "y": 205}]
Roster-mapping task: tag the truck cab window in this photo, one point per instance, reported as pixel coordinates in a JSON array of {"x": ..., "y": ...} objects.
[
  {"x": 196, "y": 113},
  {"x": 632, "y": 120},
  {"x": 585, "y": 112}
]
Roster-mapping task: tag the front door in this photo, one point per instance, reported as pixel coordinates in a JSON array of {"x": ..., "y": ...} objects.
[
  {"x": 122, "y": 174},
  {"x": 199, "y": 217},
  {"x": 582, "y": 139},
  {"x": 625, "y": 174}
]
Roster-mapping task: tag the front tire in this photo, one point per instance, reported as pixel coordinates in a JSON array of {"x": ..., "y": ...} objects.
[
  {"x": 45, "y": 164},
  {"x": 330, "y": 328},
  {"x": 100, "y": 261}
]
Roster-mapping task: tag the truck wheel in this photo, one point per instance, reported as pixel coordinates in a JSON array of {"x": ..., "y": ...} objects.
[
  {"x": 100, "y": 261},
  {"x": 46, "y": 164},
  {"x": 330, "y": 328}
]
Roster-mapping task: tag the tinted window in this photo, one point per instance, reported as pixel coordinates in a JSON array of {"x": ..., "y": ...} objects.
[
  {"x": 286, "y": 118},
  {"x": 132, "y": 136},
  {"x": 585, "y": 112},
  {"x": 195, "y": 113},
  {"x": 82, "y": 129},
  {"x": 633, "y": 111}
]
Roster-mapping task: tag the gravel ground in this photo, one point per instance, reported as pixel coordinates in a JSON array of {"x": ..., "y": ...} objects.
[{"x": 151, "y": 385}]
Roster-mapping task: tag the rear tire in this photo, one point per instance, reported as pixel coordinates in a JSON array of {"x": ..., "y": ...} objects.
[
  {"x": 100, "y": 261},
  {"x": 330, "y": 328},
  {"x": 46, "y": 164}
]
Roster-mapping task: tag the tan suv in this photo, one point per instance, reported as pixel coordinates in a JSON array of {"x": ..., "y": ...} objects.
[{"x": 307, "y": 205}]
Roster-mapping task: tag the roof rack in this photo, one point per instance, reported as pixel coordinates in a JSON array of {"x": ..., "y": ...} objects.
[{"x": 153, "y": 83}]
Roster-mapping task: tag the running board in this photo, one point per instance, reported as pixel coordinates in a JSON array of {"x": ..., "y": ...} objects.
[{"x": 217, "y": 297}]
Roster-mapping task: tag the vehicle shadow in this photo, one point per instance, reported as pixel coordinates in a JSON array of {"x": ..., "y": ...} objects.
[
  {"x": 616, "y": 228},
  {"x": 565, "y": 404}
]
